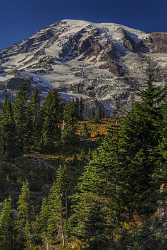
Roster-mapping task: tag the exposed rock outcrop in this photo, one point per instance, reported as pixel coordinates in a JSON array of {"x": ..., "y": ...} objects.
[{"x": 104, "y": 62}]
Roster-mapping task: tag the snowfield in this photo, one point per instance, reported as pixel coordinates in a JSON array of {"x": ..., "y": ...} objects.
[{"x": 101, "y": 62}]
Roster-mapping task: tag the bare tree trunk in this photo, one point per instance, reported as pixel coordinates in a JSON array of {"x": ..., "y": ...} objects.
[
  {"x": 62, "y": 232},
  {"x": 47, "y": 246},
  {"x": 62, "y": 235}
]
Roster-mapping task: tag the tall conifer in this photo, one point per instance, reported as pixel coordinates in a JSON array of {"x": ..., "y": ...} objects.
[
  {"x": 6, "y": 226},
  {"x": 51, "y": 114},
  {"x": 23, "y": 218}
]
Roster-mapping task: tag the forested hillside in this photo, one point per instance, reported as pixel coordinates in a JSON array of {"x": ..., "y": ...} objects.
[{"x": 64, "y": 186}]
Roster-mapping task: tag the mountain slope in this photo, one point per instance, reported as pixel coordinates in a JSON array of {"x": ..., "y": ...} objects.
[{"x": 102, "y": 63}]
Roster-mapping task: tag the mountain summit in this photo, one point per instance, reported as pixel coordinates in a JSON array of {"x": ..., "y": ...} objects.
[{"x": 103, "y": 63}]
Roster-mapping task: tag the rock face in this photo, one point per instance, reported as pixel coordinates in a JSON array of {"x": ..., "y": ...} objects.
[
  {"x": 104, "y": 64},
  {"x": 159, "y": 42}
]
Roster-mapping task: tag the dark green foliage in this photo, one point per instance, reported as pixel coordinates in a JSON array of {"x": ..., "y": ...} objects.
[
  {"x": 98, "y": 114},
  {"x": 21, "y": 117},
  {"x": 70, "y": 122},
  {"x": 149, "y": 236},
  {"x": 96, "y": 229},
  {"x": 53, "y": 213},
  {"x": 121, "y": 175},
  {"x": 94, "y": 194},
  {"x": 23, "y": 219},
  {"x": 18, "y": 83},
  {"x": 34, "y": 121},
  {"x": 105, "y": 200},
  {"x": 70, "y": 112},
  {"x": 51, "y": 114},
  {"x": 140, "y": 137},
  {"x": 80, "y": 108},
  {"x": 85, "y": 132},
  {"x": 9, "y": 139},
  {"x": 6, "y": 226}
]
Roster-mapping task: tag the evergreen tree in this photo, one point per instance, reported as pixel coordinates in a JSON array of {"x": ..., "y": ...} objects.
[
  {"x": 120, "y": 177},
  {"x": 98, "y": 112},
  {"x": 57, "y": 220},
  {"x": 21, "y": 116},
  {"x": 70, "y": 120},
  {"x": 28, "y": 236},
  {"x": 51, "y": 114},
  {"x": 7, "y": 108},
  {"x": 96, "y": 228},
  {"x": 34, "y": 121},
  {"x": 85, "y": 133},
  {"x": 23, "y": 218},
  {"x": 93, "y": 201},
  {"x": 71, "y": 112},
  {"x": 80, "y": 104},
  {"x": 42, "y": 221},
  {"x": 10, "y": 146},
  {"x": 6, "y": 226},
  {"x": 53, "y": 214},
  {"x": 140, "y": 134}
]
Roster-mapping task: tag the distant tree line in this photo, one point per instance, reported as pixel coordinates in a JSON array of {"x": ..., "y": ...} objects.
[{"x": 27, "y": 125}]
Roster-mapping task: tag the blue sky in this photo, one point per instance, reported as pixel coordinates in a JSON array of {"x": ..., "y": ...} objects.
[{"x": 20, "y": 18}]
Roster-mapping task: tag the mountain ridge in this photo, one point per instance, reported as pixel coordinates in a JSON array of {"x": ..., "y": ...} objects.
[{"x": 103, "y": 63}]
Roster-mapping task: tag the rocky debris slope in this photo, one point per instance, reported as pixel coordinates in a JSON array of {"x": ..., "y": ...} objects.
[{"x": 103, "y": 63}]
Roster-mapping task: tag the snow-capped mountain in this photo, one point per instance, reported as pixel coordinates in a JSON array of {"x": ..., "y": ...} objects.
[{"x": 102, "y": 63}]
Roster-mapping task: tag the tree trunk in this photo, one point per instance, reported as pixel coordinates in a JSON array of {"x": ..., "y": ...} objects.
[
  {"x": 47, "y": 246},
  {"x": 62, "y": 232}
]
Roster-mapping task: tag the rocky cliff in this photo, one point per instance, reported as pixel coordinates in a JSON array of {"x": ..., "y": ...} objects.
[{"x": 103, "y": 64}]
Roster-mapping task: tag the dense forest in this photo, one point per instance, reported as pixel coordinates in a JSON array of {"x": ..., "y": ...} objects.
[{"x": 62, "y": 190}]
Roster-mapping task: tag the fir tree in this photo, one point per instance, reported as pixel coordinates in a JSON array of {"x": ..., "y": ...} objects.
[
  {"x": 80, "y": 109},
  {"x": 120, "y": 177},
  {"x": 96, "y": 228},
  {"x": 6, "y": 226},
  {"x": 34, "y": 121},
  {"x": 70, "y": 120},
  {"x": 21, "y": 116},
  {"x": 53, "y": 214},
  {"x": 42, "y": 221},
  {"x": 98, "y": 112},
  {"x": 95, "y": 190},
  {"x": 10, "y": 145},
  {"x": 56, "y": 221},
  {"x": 85, "y": 133},
  {"x": 51, "y": 114},
  {"x": 23, "y": 218},
  {"x": 140, "y": 134}
]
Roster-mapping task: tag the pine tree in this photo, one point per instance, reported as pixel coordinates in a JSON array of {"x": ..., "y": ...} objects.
[
  {"x": 98, "y": 112},
  {"x": 28, "y": 236},
  {"x": 23, "y": 218},
  {"x": 51, "y": 114},
  {"x": 7, "y": 108},
  {"x": 96, "y": 228},
  {"x": 80, "y": 109},
  {"x": 53, "y": 215},
  {"x": 21, "y": 116},
  {"x": 42, "y": 221},
  {"x": 70, "y": 120},
  {"x": 34, "y": 121},
  {"x": 85, "y": 133},
  {"x": 10, "y": 146},
  {"x": 120, "y": 178},
  {"x": 93, "y": 200},
  {"x": 140, "y": 134},
  {"x": 6, "y": 226},
  {"x": 71, "y": 112},
  {"x": 56, "y": 221}
]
